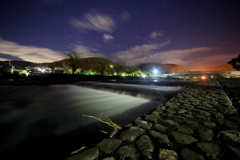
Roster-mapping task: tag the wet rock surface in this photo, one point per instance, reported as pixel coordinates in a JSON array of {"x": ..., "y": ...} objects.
[{"x": 200, "y": 123}]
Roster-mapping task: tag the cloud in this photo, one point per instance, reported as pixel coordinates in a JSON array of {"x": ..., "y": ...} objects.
[
  {"x": 107, "y": 37},
  {"x": 149, "y": 53},
  {"x": 94, "y": 21},
  {"x": 155, "y": 34},
  {"x": 138, "y": 52},
  {"x": 86, "y": 51},
  {"x": 29, "y": 53}
]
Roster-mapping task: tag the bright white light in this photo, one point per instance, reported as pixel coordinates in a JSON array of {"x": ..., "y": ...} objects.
[
  {"x": 155, "y": 71},
  {"x": 143, "y": 75}
]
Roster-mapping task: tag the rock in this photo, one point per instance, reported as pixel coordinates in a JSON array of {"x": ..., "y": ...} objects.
[
  {"x": 231, "y": 135},
  {"x": 187, "y": 154},
  {"x": 183, "y": 138},
  {"x": 185, "y": 130},
  {"x": 128, "y": 125},
  {"x": 218, "y": 115},
  {"x": 152, "y": 118},
  {"x": 231, "y": 124},
  {"x": 143, "y": 124},
  {"x": 235, "y": 150},
  {"x": 204, "y": 117},
  {"x": 145, "y": 145},
  {"x": 191, "y": 123},
  {"x": 170, "y": 123},
  {"x": 89, "y": 154},
  {"x": 165, "y": 154},
  {"x": 113, "y": 133},
  {"x": 205, "y": 133},
  {"x": 206, "y": 109},
  {"x": 157, "y": 112},
  {"x": 210, "y": 149},
  {"x": 204, "y": 112},
  {"x": 160, "y": 128},
  {"x": 180, "y": 119},
  {"x": 131, "y": 134},
  {"x": 109, "y": 145},
  {"x": 170, "y": 111},
  {"x": 209, "y": 124},
  {"x": 187, "y": 116},
  {"x": 162, "y": 138},
  {"x": 109, "y": 158},
  {"x": 181, "y": 111},
  {"x": 128, "y": 152},
  {"x": 148, "y": 155}
]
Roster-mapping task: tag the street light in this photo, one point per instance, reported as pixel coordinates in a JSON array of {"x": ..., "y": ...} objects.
[{"x": 155, "y": 71}]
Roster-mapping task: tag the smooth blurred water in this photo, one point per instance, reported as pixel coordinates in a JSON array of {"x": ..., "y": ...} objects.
[{"x": 47, "y": 120}]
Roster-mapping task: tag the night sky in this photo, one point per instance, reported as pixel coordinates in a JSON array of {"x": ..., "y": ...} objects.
[{"x": 192, "y": 33}]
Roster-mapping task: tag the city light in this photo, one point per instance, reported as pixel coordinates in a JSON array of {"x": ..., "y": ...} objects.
[{"x": 203, "y": 77}]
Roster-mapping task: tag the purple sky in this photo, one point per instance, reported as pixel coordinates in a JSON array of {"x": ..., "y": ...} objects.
[{"x": 191, "y": 33}]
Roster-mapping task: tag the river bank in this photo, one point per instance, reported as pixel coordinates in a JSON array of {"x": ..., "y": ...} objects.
[{"x": 200, "y": 123}]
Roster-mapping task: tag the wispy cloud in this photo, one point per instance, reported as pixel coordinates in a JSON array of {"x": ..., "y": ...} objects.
[
  {"x": 107, "y": 37},
  {"x": 138, "y": 52},
  {"x": 149, "y": 53},
  {"x": 155, "y": 34},
  {"x": 94, "y": 21},
  {"x": 30, "y": 53},
  {"x": 86, "y": 51}
]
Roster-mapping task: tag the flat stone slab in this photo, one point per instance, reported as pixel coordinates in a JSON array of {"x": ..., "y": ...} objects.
[
  {"x": 109, "y": 145},
  {"x": 231, "y": 135},
  {"x": 209, "y": 124},
  {"x": 181, "y": 111},
  {"x": 160, "y": 128},
  {"x": 165, "y": 154},
  {"x": 210, "y": 149},
  {"x": 146, "y": 146},
  {"x": 162, "y": 138},
  {"x": 187, "y": 154},
  {"x": 152, "y": 118},
  {"x": 169, "y": 122},
  {"x": 131, "y": 134},
  {"x": 205, "y": 133},
  {"x": 109, "y": 158},
  {"x": 183, "y": 138},
  {"x": 128, "y": 152},
  {"x": 89, "y": 154},
  {"x": 143, "y": 124},
  {"x": 185, "y": 130},
  {"x": 145, "y": 143}
]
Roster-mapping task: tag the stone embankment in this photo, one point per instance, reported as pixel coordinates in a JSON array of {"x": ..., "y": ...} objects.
[{"x": 200, "y": 123}]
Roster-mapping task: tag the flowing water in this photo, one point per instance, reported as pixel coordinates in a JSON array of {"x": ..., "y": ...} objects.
[{"x": 46, "y": 121}]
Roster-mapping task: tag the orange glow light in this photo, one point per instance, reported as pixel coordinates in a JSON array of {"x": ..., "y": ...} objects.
[{"x": 203, "y": 77}]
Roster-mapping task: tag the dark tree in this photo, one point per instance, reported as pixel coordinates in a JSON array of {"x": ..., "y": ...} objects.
[
  {"x": 73, "y": 60},
  {"x": 235, "y": 62}
]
